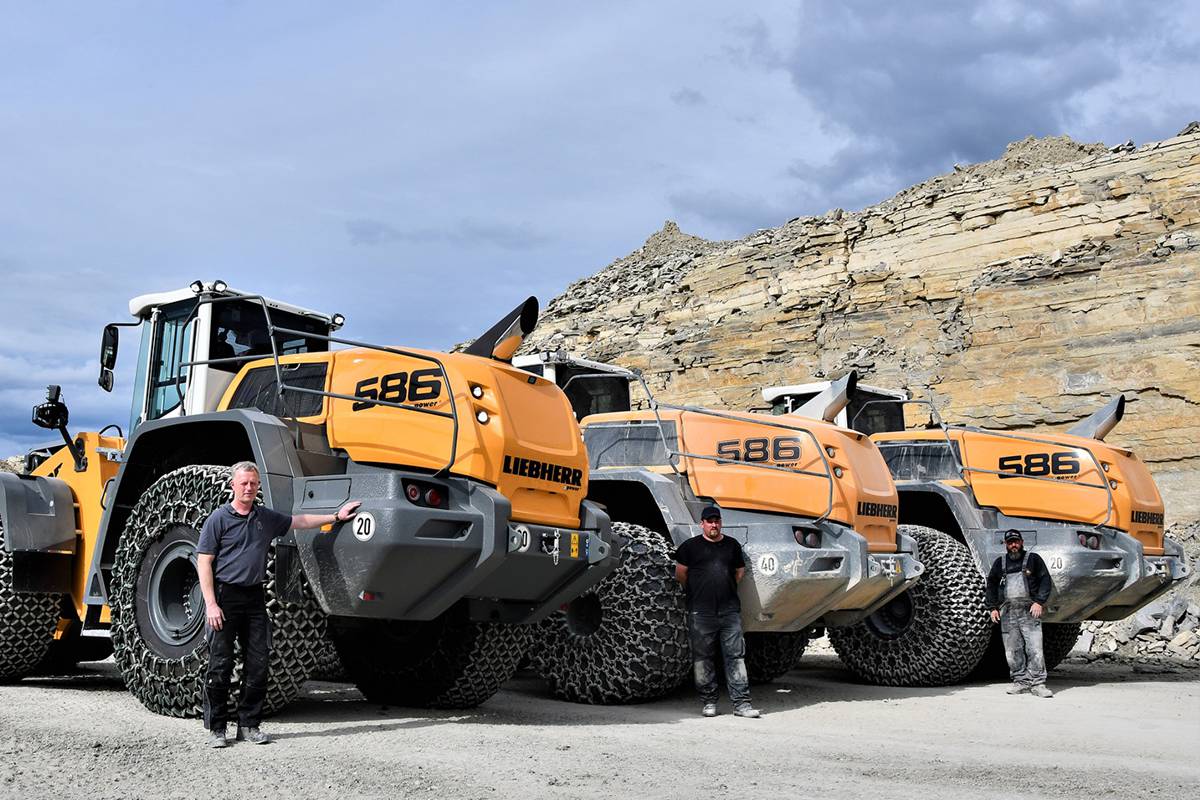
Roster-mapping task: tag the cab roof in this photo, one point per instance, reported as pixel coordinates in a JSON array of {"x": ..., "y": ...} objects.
[{"x": 142, "y": 305}]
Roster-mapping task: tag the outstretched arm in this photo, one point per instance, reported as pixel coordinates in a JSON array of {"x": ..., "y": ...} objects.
[{"x": 307, "y": 521}]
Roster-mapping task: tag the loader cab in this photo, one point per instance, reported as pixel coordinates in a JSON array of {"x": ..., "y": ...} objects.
[
  {"x": 870, "y": 409},
  {"x": 207, "y": 323},
  {"x": 592, "y": 387}
]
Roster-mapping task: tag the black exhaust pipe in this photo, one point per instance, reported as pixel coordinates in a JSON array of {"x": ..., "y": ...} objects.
[{"x": 502, "y": 339}]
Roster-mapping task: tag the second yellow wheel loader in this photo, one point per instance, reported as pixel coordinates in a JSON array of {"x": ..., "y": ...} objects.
[{"x": 811, "y": 503}]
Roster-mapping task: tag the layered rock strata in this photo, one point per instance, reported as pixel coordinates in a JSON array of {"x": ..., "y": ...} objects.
[{"x": 1020, "y": 293}]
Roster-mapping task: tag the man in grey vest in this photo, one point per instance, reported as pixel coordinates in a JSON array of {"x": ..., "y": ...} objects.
[
  {"x": 231, "y": 561},
  {"x": 1018, "y": 586}
]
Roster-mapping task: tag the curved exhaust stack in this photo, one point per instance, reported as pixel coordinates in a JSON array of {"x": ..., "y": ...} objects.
[
  {"x": 1100, "y": 423},
  {"x": 829, "y": 403},
  {"x": 502, "y": 339}
]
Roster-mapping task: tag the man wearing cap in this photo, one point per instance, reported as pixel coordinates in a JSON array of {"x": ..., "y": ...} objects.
[
  {"x": 710, "y": 567},
  {"x": 1018, "y": 586}
]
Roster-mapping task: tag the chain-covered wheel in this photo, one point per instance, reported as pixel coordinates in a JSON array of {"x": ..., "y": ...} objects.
[
  {"x": 158, "y": 615},
  {"x": 327, "y": 664},
  {"x": 27, "y": 623},
  {"x": 1057, "y": 640},
  {"x": 770, "y": 655},
  {"x": 933, "y": 634},
  {"x": 627, "y": 640},
  {"x": 448, "y": 662}
]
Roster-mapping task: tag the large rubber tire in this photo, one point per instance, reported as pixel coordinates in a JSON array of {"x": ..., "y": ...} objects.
[
  {"x": 154, "y": 588},
  {"x": 627, "y": 640},
  {"x": 1057, "y": 640},
  {"x": 770, "y": 655},
  {"x": 449, "y": 662},
  {"x": 27, "y": 623},
  {"x": 327, "y": 664},
  {"x": 932, "y": 635}
]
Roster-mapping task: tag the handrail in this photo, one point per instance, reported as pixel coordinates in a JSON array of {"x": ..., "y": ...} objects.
[
  {"x": 274, "y": 330},
  {"x": 963, "y": 468},
  {"x": 673, "y": 454}
]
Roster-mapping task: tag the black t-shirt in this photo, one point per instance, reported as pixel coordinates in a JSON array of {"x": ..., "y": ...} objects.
[
  {"x": 240, "y": 544},
  {"x": 711, "y": 586}
]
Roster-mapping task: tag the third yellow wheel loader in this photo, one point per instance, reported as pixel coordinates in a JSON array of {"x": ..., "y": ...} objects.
[{"x": 1089, "y": 508}]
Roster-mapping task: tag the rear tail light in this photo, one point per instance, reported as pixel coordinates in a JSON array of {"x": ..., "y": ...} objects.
[
  {"x": 1094, "y": 542},
  {"x": 807, "y": 537},
  {"x": 1083, "y": 540},
  {"x": 431, "y": 495}
]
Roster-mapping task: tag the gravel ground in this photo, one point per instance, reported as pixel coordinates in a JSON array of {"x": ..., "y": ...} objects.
[{"x": 1114, "y": 729}]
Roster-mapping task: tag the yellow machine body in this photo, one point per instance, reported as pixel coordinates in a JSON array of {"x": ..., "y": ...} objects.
[
  {"x": 1093, "y": 482},
  {"x": 516, "y": 431},
  {"x": 87, "y": 489},
  {"x": 863, "y": 495}
]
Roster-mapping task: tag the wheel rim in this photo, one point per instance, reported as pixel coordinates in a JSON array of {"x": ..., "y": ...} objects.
[
  {"x": 174, "y": 600},
  {"x": 584, "y": 615},
  {"x": 894, "y": 618}
]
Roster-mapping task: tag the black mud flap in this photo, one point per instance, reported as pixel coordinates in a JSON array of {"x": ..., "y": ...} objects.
[{"x": 289, "y": 577}]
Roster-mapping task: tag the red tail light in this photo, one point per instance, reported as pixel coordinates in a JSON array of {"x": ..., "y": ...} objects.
[
  {"x": 414, "y": 493},
  {"x": 433, "y": 497}
]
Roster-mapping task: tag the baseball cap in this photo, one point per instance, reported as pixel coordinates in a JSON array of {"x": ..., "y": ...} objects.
[
  {"x": 1013, "y": 535},
  {"x": 709, "y": 512}
]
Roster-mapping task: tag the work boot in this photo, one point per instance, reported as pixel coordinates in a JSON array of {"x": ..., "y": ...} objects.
[
  {"x": 253, "y": 735},
  {"x": 709, "y": 710},
  {"x": 216, "y": 737},
  {"x": 1041, "y": 691},
  {"x": 1017, "y": 688},
  {"x": 747, "y": 710}
]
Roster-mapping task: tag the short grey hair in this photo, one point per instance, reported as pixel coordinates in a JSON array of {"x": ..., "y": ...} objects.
[{"x": 244, "y": 466}]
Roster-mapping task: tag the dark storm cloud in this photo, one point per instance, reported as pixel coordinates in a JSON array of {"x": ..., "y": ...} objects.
[
  {"x": 915, "y": 88},
  {"x": 373, "y": 232}
]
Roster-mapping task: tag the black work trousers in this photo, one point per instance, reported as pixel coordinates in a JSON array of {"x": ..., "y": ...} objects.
[{"x": 246, "y": 622}]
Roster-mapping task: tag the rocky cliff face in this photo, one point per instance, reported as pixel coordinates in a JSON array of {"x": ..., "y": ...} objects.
[{"x": 1019, "y": 293}]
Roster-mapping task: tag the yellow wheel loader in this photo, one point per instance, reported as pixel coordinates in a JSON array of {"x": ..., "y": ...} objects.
[
  {"x": 472, "y": 475},
  {"x": 811, "y": 503},
  {"x": 1090, "y": 509}
]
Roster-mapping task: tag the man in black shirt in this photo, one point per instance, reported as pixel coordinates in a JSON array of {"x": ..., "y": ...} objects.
[
  {"x": 231, "y": 562},
  {"x": 710, "y": 566},
  {"x": 1018, "y": 586}
]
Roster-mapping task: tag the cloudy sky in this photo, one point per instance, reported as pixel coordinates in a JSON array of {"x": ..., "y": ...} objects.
[{"x": 422, "y": 167}]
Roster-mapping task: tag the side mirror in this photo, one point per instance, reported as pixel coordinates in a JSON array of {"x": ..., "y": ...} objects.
[{"x": 108, "y": 356}]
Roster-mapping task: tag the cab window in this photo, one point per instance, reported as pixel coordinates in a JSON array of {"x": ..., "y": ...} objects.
[
  {"x": 172, "y": 346},
  {"x": 239, "y": 329}
]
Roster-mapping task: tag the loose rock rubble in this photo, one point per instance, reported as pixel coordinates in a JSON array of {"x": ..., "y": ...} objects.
[{"x": 1167, "y": 630}]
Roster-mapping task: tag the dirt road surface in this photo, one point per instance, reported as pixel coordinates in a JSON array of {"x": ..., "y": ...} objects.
[{"x": 1113, "y": 730}]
